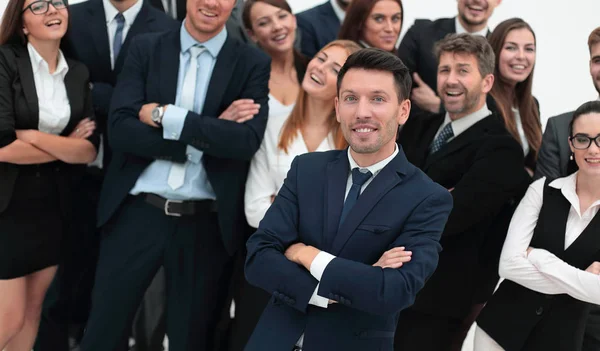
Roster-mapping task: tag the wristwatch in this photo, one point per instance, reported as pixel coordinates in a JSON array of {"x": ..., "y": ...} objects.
[{"x": 157, "y": 114}]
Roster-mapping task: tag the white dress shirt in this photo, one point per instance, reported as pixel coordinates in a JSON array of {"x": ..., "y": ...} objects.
[
  {"x": 54, "y": 106},
  {"x": 111, "y": 24},
  {"x": 463, "y": 123},
  {"x": 270, "y": 166},
  {"x": 522, "y": 137},
  {"x": 460, "y": 29},
  {"x": 541, "y": 270}
]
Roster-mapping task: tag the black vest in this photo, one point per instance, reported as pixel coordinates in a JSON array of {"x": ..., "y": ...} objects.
[{"x": 520, "y": 319}]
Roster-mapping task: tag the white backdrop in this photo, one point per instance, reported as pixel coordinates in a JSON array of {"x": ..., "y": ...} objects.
[{"x": 562, "y": 81}]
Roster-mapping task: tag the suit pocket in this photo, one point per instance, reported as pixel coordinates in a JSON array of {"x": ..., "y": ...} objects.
[
  {"x": 374, "y": 334},
  {"x": 373, "y": 228}
]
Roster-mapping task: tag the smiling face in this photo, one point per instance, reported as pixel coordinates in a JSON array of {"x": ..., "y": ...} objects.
[
  {"x": 595, "y": 66},
  {"x": 517, "y": 57},
  {"x": 460, "y": 84},
  {"x": 50, "y": 26},
  {"x": 273, "y": 28},
  {"x": 206, "y": 18},
  {"x": 321, "y": 74},
  {"x": 475, "y": 13},
  {"x": 369, "y": 112},
  {"x": 382, "y": 26},
  {"x": 588, "y": 160}
]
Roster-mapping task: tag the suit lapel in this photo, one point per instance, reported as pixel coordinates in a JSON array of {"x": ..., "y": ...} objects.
[
  {"x": 221, "y": 75},
  {"x": 169, "y": 50},
  {"x": 75, "y": 94},
  {"x": 140, "y": 25},
  {"x": 28, "y": 84},
  {"x": 337, "y": 175},
  {"x": 388, "y": 178},
  {"x": 99, "y": 33}
]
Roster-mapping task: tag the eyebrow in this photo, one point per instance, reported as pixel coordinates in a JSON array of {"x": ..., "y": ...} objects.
[
  {"x": 595, "y": 57},
  {"x": 513, "y": 43},
  {"x": 382, "y": 14},
  {"x": 267, "y": 17},
  {"x": 374, "y": 92}
]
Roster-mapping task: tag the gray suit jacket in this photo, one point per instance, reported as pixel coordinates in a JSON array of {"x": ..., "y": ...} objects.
[{"x": 553, "y": 158}]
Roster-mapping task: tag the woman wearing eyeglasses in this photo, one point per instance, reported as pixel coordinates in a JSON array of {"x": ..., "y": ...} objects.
[
  {"x": 551, "y": 256},
  {"x": 46, "y": 137}
]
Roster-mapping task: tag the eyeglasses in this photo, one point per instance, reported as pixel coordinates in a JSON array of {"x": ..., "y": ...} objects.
[
  {"x": 41, "y": 7},
  {"x": 582, "y": 142}
]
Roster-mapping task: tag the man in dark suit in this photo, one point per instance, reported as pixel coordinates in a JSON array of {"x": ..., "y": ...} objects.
[
  {"x": 188, "y": 113},
  {"x": 319, "y": 249},
  {"x": 91, "y": 40},
  {"x": 554, "y": 161},
  {"x": 320, "y": 25},
  {"x": 416, "y": 48},
  {"x": 468, "y": 151}
]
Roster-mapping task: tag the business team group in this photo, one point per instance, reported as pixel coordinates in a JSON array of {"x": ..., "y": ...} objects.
[{"x": 237, "y": 177}]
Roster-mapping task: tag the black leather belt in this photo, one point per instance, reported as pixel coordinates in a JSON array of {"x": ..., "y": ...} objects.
[{"x": 177, "y": 208}]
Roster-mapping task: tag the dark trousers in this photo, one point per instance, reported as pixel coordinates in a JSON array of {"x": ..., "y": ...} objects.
[
  {"x": 150, "y": 322},
  {"x": 137, "y": 241},
  {"x": 68, "y": 299},
  {"x": 591, "y": 339},
  {"x": 422, "y": 332}
]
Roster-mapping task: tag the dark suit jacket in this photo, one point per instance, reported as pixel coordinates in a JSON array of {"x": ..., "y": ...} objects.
[
  {"x": 318, "y": 27},
  {"x": 484, "y": 166},
  {"x": 87, "y": 42},
  {"x": 553, "y": 158},
  {"x": 19, "y": 109},
  {"x": 401, "y": 207},
  {"x": 150, "y": 75},
  {"x": 181, "y": 7}
]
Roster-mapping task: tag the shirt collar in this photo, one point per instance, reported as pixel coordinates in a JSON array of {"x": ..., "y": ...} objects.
[
  {"x": 212, "y": 45},
  {"x": 341, "y": 14},
  {"x": 568, "y": 187},
  {"x": 376, "y": 168},
  {"x": 110, "y": 11},
  {"x": 37, "y": 62},
  {"x": 460, "y": 29},
  {"x": 464, "y": 123}
]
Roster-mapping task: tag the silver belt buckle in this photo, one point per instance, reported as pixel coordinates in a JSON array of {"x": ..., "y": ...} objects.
[{"x": 169, "y": 213}]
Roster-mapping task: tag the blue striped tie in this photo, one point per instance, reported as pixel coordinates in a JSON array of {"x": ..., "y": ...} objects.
[
  {"x": 118, "y": 42},
  {"x": 358, "y": 179}
]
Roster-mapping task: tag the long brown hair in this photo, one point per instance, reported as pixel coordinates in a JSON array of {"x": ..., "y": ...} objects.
[
  {"x": 528, "y": 109},
  {"x": 297, "y": 117},
  {"x": 11, "y": 29},
  {"x": 357, "y": 14}
]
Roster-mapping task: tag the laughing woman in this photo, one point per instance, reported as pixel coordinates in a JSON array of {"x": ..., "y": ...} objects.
[{"x": 45, "y": 130}]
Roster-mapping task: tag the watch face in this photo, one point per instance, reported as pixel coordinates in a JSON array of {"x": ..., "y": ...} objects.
[{"x": 155, "y": 114}]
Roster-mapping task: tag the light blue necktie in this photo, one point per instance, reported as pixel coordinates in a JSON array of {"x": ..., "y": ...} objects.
[{"x": 118, "y": 42}]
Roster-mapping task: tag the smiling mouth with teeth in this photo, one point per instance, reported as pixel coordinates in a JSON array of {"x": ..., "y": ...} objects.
[
  {"x": 316, "y": 79},
  {"x": 208, "y": 14},
  {"x": 52, "y": 23}
]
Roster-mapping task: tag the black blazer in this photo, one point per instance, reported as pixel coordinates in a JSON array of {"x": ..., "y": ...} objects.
[
  {"x": 518, "y": 318},
  {"x": 150, "y": 75},
  {"x": 87, "y": 42},
  {"x": 318, "y": 27},
  {"x": 19, "y": 109},
  {"x": 484, "y": 167},
  {"x": 181, "y": 7}
]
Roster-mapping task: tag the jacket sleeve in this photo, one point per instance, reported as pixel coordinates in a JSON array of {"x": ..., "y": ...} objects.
[
  {"x": 126, "y": 133},
  {"x": 228, "y": 139},
  {"x": 408, "y": 51},
  {"x": 266, "y": 264},
  {"x": 308, "y": 37},
  {"x": 548, "y": 162},
  {"x": 387, "y": 291},
  {"x": 7, "y": 115}
]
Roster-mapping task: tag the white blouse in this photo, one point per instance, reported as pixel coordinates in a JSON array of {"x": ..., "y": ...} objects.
[
  {"x": 541, "y": 270},
  {"x": 270, "y": 166},
  {"x": 54, "y": 107},
  {"x": 279, "y": 110}
]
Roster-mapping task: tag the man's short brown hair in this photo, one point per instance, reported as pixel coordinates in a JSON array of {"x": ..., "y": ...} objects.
[
  {"x": 594, "y": 38},
  {"x": 468, "y": 44}
]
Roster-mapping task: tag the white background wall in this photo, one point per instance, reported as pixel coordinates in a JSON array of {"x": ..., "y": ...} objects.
[{"x": 562, "y": 81}]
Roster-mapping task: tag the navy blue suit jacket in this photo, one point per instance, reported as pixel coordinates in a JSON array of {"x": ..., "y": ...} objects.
[
  {"x": 87, "y": 42},
  {"x": 150, "y": 75},
  {"x": 400, "y": 207},
  {"x": 318, "y": 27}
]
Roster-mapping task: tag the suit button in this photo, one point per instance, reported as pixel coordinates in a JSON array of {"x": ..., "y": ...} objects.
[{"x": 539, "y": 311}]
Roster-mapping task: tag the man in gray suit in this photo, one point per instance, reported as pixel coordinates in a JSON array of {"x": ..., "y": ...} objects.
[{"x": 554, "y": 161}]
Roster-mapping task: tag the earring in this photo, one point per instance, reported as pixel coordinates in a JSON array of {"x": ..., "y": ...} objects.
[{"x": 571, "y": 157}]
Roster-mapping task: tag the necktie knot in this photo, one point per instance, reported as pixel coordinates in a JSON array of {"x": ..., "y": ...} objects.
[
  {"x": 120, "y": 19},
  {"x": 195, "y": 51},
  {"x": 360, "y": 177},
  {"x": 445, "y": 135}
]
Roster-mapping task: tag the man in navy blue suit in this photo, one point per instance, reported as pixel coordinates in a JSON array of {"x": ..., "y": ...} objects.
[
  {"x": 187, "y": 115},
  {"x": 353, "y": 234},
  {"x": 320, "y": 25}
]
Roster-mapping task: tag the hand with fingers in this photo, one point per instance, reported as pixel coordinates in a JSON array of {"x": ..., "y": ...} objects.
[
  {"x": 394, "y": 258},
  {"x": 594, "y": 268},
  {"x": 240, "y": 111},
  {"x": 424, "y": 96},
  {"x": 84, "y": 129}
]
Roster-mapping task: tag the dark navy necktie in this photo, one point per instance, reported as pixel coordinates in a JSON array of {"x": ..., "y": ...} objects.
[
  {"x": 446, "y": 133},
  {"x": 358, "y": 179},
  {"x": 118, "y": 42}
]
